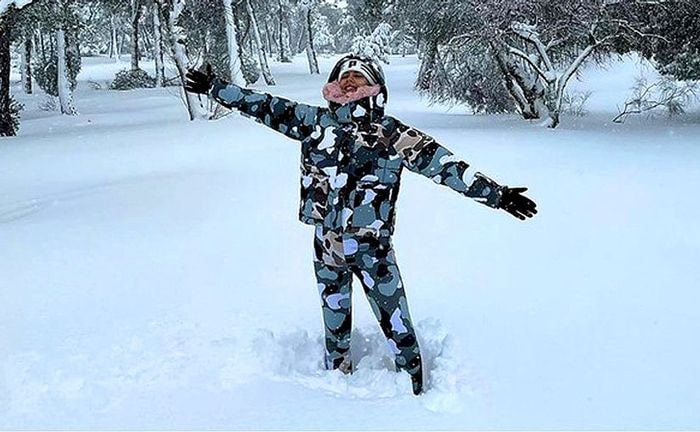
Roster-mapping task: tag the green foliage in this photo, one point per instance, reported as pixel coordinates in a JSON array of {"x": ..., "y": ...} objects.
[
  {"x": 469, "y": 75},
  {"x": 130, "y": 79},
  {"x": 46, "y": 67},
  {"x": 9, "y": 119},
  {"x": 669, "y": 34}
]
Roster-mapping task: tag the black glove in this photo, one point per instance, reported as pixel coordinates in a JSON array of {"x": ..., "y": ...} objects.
[
  {"x": 199, "y": 82},
  {"x": 516, "y": 204}
]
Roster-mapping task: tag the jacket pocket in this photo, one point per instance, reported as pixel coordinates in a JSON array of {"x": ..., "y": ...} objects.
[{"x": 391, "y": 170}]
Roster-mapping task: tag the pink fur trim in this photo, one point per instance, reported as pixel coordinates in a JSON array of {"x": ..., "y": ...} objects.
[{"x": 333, "y": 93}]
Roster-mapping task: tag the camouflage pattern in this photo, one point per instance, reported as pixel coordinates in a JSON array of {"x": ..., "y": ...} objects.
[
  {"x": 371, "y": 258},
  {"x": 352, "y": 157}
]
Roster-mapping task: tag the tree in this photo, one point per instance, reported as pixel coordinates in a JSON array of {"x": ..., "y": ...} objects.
[
  {"x": 669, "y": 34},
  {"x": 307, "y": 7},
  {"x": 375, "y": 45},
  {"x": 259, "y": 47},
  {"x": 177, "y": 36},
  {"x": 536, "y": 46},
  {"x": 9, "y": 108},
  {"x": 158, "y": 44},
  {"x": 136, "y": 12},
  {"x": 284, "y": 51},
  {"x": 369, "y": 13},
  {"x": 233, "y": 49}
]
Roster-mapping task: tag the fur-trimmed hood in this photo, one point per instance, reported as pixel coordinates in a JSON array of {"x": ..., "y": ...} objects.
[
  {"x": 364, "y": 105},
  {"x": 333, "y": 93}
]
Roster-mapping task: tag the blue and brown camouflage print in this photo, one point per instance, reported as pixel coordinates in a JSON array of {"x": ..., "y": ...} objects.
[
  {"x": 371, "y": 259},
  {"x": 352, "y": 157}
]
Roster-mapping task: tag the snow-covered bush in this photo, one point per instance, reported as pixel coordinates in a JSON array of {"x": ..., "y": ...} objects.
[
  {"x": 50, "y": 103},
  {"x": 574, "y": 103},
  {"x": 129, "y": 79}
]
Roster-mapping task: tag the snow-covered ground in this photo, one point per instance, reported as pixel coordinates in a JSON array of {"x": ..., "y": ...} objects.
[{"x": 153, "y": 274}]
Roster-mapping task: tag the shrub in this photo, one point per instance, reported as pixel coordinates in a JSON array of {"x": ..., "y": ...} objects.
[{"x": 129, "y": 79}]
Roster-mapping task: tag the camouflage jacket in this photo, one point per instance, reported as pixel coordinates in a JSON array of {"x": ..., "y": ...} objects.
[{"x": 352, "y": 157}]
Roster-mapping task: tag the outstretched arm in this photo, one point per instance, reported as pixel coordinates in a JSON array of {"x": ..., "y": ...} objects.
[
  {"x": 423, "y": 155},
  {"x": 293, "y": 119}
]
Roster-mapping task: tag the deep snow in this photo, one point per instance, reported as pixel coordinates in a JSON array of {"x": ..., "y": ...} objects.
[{"x": 153, "y": 274}]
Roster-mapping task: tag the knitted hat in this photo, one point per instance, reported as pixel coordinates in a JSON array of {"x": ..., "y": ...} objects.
[{"x": 364, "y": 65}]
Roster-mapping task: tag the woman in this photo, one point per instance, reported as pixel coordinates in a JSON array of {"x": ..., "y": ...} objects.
[{"x": 352, "y": 157}]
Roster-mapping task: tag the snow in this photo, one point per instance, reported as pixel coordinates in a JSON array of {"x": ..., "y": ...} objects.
[
  {"x": 154, "y": 275},
  {"x": 19, "y": 4}
]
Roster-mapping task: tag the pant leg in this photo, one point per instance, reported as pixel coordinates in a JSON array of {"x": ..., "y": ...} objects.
[
  {"x": 374, "y": 263},
  {"x": 335, "y": 288}
]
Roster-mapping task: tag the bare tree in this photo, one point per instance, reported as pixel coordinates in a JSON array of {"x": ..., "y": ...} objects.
[
  {"x": 234, "y": 52},
  {"x": 158, "y": 44},
  {"x": 283, "y": 32},
  {"x": 178, "y": 51},
  {"x": 27, "y": 65},
  {"x": 259, "y": 47},
  {"x": 665, "y": 93},
  {"x": 136, "y": 12},
  {"x": 307, "y": 7}
]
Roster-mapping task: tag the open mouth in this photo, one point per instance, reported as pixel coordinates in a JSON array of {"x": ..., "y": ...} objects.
[{"x": 350, "y": 89}]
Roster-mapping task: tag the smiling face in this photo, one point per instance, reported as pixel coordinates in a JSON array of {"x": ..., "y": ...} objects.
[{"x": 351, "y": 81}]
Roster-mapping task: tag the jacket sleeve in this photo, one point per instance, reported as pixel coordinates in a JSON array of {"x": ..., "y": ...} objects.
[
  {"x": 293, "y": 119},
  {"x": 423, "y": 155}
]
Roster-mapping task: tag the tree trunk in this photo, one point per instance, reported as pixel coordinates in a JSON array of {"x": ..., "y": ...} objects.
[
  {"x": 114, "y": 45},
  {"x": 158, "y": 45},
  {"x": 7, "y": 127},
  {"x": 136, "y": 16},
  {"x": 27, "y": 65},
  {"x": 195, "y": 108},
  {"x": 284, "y": 54},
  {"x": 122, "y": 40},
  {"x": 234, "y": 59},
  {"x": 310, "y": 51},
  {"x": 262, "y": 57},
  {"x": 427, "y": 67},
  {"x": 268, "y": 37},
  {"x": 65, "y": 94}
]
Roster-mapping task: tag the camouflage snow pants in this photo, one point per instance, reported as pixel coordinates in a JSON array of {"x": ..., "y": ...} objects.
[{"x": 371, "y": 259}]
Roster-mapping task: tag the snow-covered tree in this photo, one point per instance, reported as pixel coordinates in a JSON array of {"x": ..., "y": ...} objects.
[
  {"x": 9, "y": 108},
  {"x": 369, "y": 14},
  {"x": 347, "y": 29},
  {"x": 137, "y": 9},
  {"x": 284, "y": 51},
  {"x": 158, "y": 43},
  {"x": 375, "y": 45},
  {"x": 307, "y": 9},
  {"x": 259, "y": 46},
  {"x": 323, "y": 37},
  {"x": 233, "y": 50},
  {"x": 58, "y": 60},
  {"x": 178, "y": 51},
  {"x": 669, "y": 34},
  {"x": 537, "y": 46},
  {"x": 65, "y": 92}
]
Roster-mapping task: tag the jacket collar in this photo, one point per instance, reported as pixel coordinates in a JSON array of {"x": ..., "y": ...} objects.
[
  {"x": 367, "y": 110},
  {"x": 366, "y": 105}
]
